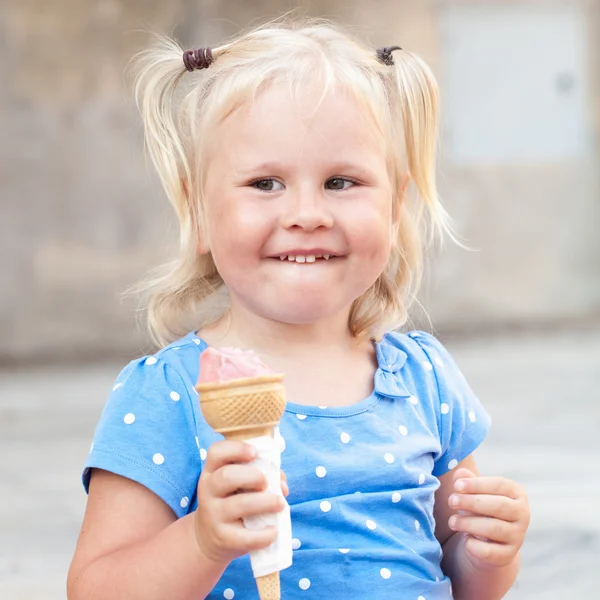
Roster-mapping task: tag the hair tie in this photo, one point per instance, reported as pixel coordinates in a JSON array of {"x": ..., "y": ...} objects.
[
  {"x": 198, "y": 58},
  {"x": 385, "y": 54}
]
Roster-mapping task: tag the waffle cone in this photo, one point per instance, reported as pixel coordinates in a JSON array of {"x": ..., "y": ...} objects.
[
  {"x": 243, "y": 408},
  {"x": 268, "y": 587}
]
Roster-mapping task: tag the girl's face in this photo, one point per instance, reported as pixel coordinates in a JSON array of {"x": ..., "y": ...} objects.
[{"x": 300, "y": 205}]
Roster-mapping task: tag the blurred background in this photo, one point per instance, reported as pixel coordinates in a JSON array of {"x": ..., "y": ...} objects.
[{"x": 83, "y": 217}]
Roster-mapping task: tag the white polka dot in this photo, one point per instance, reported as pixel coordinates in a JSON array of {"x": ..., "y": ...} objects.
[
  {"x": 389, "y": 458},
  {"x": 296, "y": 543},
  {"x": 196, "y": 341},
  {"x": 301, "y": 417},
  {"x": 203, "y": 453},
  {"x": 445, "y": 408},
  {"x": 421, "y": 598},
  {"x": 345, "y": 438},
  {"x": 304, "y": 583},
  {"x": 184, "y": 502},
  {"x": 385, "y": 573},
  {"x": 229, "y": 594},
  {"x": 158, "y": 459},
  {"x": 396, "y": 497},
  {"x": 421, "y": 478},
  {"x": 371, "y": 524},
  {"x": 427, "y": 365},
  {"x": 322, "y": 407},
  {"x": 403, "y": 430},
  {"x": 344, "y": 550},
  {"x": 325, "y": 506},
  {"x": 321, "y": 471},
  {"x": 197, "y": 442},
  {"x": 129, "y": 418},
  {"x": 438, "y": 361},
  {"x": 452, "y": 464},
  {"x": 117, "y": 386},
  {"x": 413, "y": 399},
  {"x": 357, "y": 492},
  {"x": 472, "y": 416},
  {"x": 151, "y": 360},
  {"x": 417, "y": 525},
  {"x": 175, "y": 396}
]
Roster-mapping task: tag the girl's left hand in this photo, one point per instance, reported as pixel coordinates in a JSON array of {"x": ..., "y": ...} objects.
[{"x": 494, "y": 513}]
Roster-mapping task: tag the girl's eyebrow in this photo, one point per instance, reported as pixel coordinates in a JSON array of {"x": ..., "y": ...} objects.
[
  {"x": 262, "y": 167},
  {"x": 357, "y": 167}
]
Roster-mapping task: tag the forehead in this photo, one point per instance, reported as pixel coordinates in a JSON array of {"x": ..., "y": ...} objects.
[{"x": 285, "y": 121}]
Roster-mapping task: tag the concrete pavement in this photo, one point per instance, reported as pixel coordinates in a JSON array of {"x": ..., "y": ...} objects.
[{"x": 542, "y": 390}]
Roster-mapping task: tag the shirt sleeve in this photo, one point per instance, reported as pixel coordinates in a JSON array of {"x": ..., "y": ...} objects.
[
  {"x": 147, "y": 433},
  {"x": 463, "y": 423}
]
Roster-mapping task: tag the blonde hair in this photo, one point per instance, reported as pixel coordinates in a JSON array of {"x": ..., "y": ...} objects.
[{"x": 179, "y": 109}]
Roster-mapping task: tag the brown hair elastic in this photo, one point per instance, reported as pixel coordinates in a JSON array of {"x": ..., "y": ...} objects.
[
  {"x": 385, "y": 54},
  {"x": 201, "y": 58},
  {"x": 197, "y": 58}
]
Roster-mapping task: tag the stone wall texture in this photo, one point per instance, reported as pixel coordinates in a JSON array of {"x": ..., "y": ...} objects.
[{"x": 83, "y": 216}]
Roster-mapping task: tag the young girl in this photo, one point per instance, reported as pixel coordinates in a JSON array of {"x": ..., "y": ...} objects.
[{"x": 287, "y": 153}]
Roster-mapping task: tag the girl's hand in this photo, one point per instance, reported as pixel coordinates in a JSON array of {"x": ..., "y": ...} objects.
[
  {"x": 494, "y": 513},
  {"x": 229, "y": 489}
]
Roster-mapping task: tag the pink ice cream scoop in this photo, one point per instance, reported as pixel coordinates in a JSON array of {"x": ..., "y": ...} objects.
[{"x": 226, "y": 364}]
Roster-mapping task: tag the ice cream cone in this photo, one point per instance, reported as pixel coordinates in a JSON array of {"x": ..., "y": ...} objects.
[
  {"x": 242, "y": 409},
  {"x": 268, "y": 587}
]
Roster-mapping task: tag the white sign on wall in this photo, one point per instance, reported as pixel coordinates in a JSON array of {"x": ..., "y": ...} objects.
[{"x": 513, "y": 84}]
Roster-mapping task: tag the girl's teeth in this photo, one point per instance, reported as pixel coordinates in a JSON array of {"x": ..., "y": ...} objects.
[{"x": 310, "y": 258}]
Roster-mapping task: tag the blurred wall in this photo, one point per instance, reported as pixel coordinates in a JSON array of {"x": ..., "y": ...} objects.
[{"x": 83, "y": 216}]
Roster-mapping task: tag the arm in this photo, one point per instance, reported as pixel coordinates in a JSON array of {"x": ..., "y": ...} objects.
[
  {"x": 131, "y": 545},
  {"x": 481, "y": 542}
]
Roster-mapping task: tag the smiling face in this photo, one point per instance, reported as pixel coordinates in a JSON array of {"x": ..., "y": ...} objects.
[{"x": 300, "y": 205}]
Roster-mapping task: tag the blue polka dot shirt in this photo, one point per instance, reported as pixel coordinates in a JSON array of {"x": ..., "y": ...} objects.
[{"x": 362, "y": 477}]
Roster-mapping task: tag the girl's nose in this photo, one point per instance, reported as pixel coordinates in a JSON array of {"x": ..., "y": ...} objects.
[{"x": 307, "y": 210}]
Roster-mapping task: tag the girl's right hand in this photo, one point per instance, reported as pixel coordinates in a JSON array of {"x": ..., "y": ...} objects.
[{"x": 230, "y": 489}]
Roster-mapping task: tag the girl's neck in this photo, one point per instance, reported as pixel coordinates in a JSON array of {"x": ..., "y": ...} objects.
[{"x": 243, "y": 329}]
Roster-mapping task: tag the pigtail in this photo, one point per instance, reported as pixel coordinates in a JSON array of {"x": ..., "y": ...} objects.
[
  {"x": 159, "y": 70},
  {"x": 172, "y": 292},
  {"x": 413, "y": 98},
  {"x": 418, "y": 100}
]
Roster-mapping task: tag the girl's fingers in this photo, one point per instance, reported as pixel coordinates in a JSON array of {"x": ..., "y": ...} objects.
[
  {"x": 227, "y": 452},
  {"x": 250, "y": 504},
  {"x": 499, "y": 507},
  {"x": 489, "y": 553},
  {"x": 251, "y": 539},
  {"x": 486, "y": 527},
  {"x": 235, "y": 477},
  {"x": 493, "y": 486}
]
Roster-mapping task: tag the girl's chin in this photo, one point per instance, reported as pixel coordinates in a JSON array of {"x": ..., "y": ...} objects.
[{"x": 302, "y": 315}]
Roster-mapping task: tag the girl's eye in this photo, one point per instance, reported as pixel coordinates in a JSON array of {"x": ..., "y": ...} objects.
[
  {"x": 267, "y": 185},
  {"x": 339, "y": 183}
]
